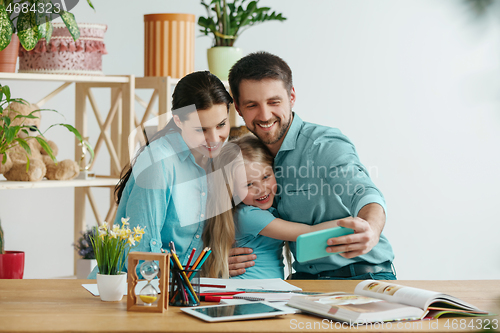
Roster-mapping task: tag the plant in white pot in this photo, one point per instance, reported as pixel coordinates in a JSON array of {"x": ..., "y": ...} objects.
[
  {"x": 111, "y": 247},
  {"x": 227, "y": 21}
]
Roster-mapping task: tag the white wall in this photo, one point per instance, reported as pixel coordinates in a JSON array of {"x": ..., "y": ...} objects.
[{"x": 414, "y": 84}]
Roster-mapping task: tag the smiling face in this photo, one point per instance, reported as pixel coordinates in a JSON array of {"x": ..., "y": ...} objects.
[
  {"x": 266, "y": 108},
  {"x": 256, "y": 185},
  {"x": 205, "y": 131}
]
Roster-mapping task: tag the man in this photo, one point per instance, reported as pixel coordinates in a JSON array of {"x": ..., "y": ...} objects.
[{"x": 319, "y": 176}]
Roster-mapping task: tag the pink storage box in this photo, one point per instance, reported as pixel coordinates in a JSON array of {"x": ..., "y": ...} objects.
[{"x": 65, "y": 56}]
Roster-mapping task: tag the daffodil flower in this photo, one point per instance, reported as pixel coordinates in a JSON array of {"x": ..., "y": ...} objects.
[
  {"x": 103, "y": 226},
  {"x": 112, "y": 243},
  {"x": 131, "y": 241},
  {"x": 138, "y": 230}
]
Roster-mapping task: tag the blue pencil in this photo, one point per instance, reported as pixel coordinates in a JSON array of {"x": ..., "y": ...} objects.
[{"x": 202, "y": 261}]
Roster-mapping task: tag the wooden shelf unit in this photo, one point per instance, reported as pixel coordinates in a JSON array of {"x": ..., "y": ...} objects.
[{"x": 115, "y": 127}]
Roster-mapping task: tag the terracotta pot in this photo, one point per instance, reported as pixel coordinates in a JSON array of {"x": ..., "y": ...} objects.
[
  {"x": 111, "y": 287},
  {"x": 8, "y": 56},
  {"x": 12, "y": 265}
]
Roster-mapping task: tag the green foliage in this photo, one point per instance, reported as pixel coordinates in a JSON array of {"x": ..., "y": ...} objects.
[
  {"x": 33, "y": 24},
  {"x": 9, "y": 133},
  {"x": 225, "y": 20}
]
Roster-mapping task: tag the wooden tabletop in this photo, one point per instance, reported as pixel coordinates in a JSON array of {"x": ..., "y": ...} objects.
[{"x": 64, "y": 305}]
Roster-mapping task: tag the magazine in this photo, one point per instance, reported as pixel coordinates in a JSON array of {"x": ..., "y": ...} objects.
[{"x": 377, "y": 301}]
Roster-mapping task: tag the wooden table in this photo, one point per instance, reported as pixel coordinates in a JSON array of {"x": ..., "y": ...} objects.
[{"x": 64, "y": 305}]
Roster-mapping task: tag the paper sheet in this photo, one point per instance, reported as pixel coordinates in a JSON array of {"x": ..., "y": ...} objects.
[{"x": 237, "y": 284}]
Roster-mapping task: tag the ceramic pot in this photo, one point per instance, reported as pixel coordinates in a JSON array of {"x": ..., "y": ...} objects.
[
  {"x": 12, "y": 265},
  {"x": 221, "y": 59},
  {"x": 84, "y": 267},
  {"x": 169, "y": 44},
  {"x": 8, "y": 56},
  {"x": 111, "y": 287}
]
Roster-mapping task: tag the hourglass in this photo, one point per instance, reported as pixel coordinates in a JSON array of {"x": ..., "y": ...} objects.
[
  {"x": 149, "y": 269},
  {"x": 156, "y": 264}
]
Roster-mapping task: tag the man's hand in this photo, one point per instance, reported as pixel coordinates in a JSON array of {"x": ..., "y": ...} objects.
[
  {"x": 239, "y": 259},
  {"x": 367, "y": 229}
]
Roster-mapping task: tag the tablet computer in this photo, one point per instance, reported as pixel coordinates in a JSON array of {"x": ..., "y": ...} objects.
[
  {"x": 313, "y": 245},
  {"x": 228, "y": 312}
]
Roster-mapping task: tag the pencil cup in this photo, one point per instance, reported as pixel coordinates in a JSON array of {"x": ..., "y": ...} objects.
[{"x": 184, "y": 292}]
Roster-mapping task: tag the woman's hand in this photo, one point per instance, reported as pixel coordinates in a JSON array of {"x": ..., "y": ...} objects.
[{"x": 239, "y": 259}]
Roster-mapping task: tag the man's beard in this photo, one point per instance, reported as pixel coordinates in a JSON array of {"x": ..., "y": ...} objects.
[{"x": 281, "y": 131}]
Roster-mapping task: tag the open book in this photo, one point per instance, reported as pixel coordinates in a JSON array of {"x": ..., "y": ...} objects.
[{"x": 376, "y": 301}]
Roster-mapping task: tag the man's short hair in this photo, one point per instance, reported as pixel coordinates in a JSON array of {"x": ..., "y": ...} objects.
[{"x": 258, "y": 66}]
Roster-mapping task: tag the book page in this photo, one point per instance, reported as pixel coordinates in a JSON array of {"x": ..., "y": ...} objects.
[{"x": 396, "y": 293}]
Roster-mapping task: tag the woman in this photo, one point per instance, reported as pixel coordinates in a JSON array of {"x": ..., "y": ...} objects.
[{"x": 165, "y": 188}]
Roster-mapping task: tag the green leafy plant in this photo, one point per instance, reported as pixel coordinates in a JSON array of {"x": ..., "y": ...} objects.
[
  {"x": 10, "y": 129},
  {"x": 226, "y": 21},
  {"x": 34, "y": 21},
  {"x": 112, "y": 245}
]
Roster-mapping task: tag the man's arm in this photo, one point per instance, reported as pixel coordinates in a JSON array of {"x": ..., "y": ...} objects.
[{"x": 367, "y": 226}]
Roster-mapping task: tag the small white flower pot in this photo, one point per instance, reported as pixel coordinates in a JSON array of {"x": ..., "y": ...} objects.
[
  {"x": 111, "y": 287},
  {"x": 84, "y": 267}
]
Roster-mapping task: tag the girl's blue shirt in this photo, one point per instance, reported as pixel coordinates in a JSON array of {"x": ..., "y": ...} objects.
[
  {"x": 249, "y": 221},
  {"x": 166, "y": 193}
]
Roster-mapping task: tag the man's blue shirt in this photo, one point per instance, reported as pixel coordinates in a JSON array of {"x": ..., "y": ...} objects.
[{"x": 320, "y": 178}]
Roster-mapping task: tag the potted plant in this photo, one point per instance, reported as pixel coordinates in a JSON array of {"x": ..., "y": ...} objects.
[
  {"x": 87, "y": 262},
  {"x": 33, "y": 20},
  {"x": 227, "y": 21},
  {"x": 111, "y": 247},
  {"x": 11, "y": 262},
  {"x": 10, "y": 130}
]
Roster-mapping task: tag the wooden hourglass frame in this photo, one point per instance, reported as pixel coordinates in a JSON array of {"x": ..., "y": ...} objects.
[{"x": 133, "y": 261}]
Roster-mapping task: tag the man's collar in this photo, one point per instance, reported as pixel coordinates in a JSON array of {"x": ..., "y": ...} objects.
[{"x": 292, "y": 134}]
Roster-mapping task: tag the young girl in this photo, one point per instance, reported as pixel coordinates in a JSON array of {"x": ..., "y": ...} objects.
[
  {"x": 253, "y": 222},
  {"x": 165, "y": 187}
]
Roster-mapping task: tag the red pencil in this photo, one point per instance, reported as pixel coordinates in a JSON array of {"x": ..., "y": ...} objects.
[
  {"x": 212, "y": 285},
  {"x": 190, "y": 258}
]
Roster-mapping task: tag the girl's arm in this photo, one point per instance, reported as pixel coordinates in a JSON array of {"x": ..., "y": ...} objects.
[{"x": 289, "y": 231}]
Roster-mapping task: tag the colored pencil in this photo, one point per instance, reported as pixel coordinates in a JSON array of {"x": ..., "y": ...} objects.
[
  {"x": 213, "y": 285},
  {"x": 202, "y": 254},
  {"x": 190, "y": 258},
  {"x": 178, "y": 263},
  {"x": 201, "y": 262}
]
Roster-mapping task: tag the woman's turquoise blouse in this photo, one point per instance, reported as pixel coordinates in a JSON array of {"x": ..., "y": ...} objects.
[{"x": 166, "y": 193}]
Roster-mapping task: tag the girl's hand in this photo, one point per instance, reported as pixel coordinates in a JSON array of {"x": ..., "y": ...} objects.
[{"x": 239, "y": 259}]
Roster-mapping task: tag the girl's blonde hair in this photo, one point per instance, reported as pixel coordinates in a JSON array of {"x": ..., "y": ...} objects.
[{"x": 219, "y": 232}]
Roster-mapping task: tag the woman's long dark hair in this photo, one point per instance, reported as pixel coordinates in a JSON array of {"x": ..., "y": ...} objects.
[{"x": 202, "y": 89}]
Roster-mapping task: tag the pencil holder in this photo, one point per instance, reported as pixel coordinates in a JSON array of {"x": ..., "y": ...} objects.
[{"x": 184, "y": 287}]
